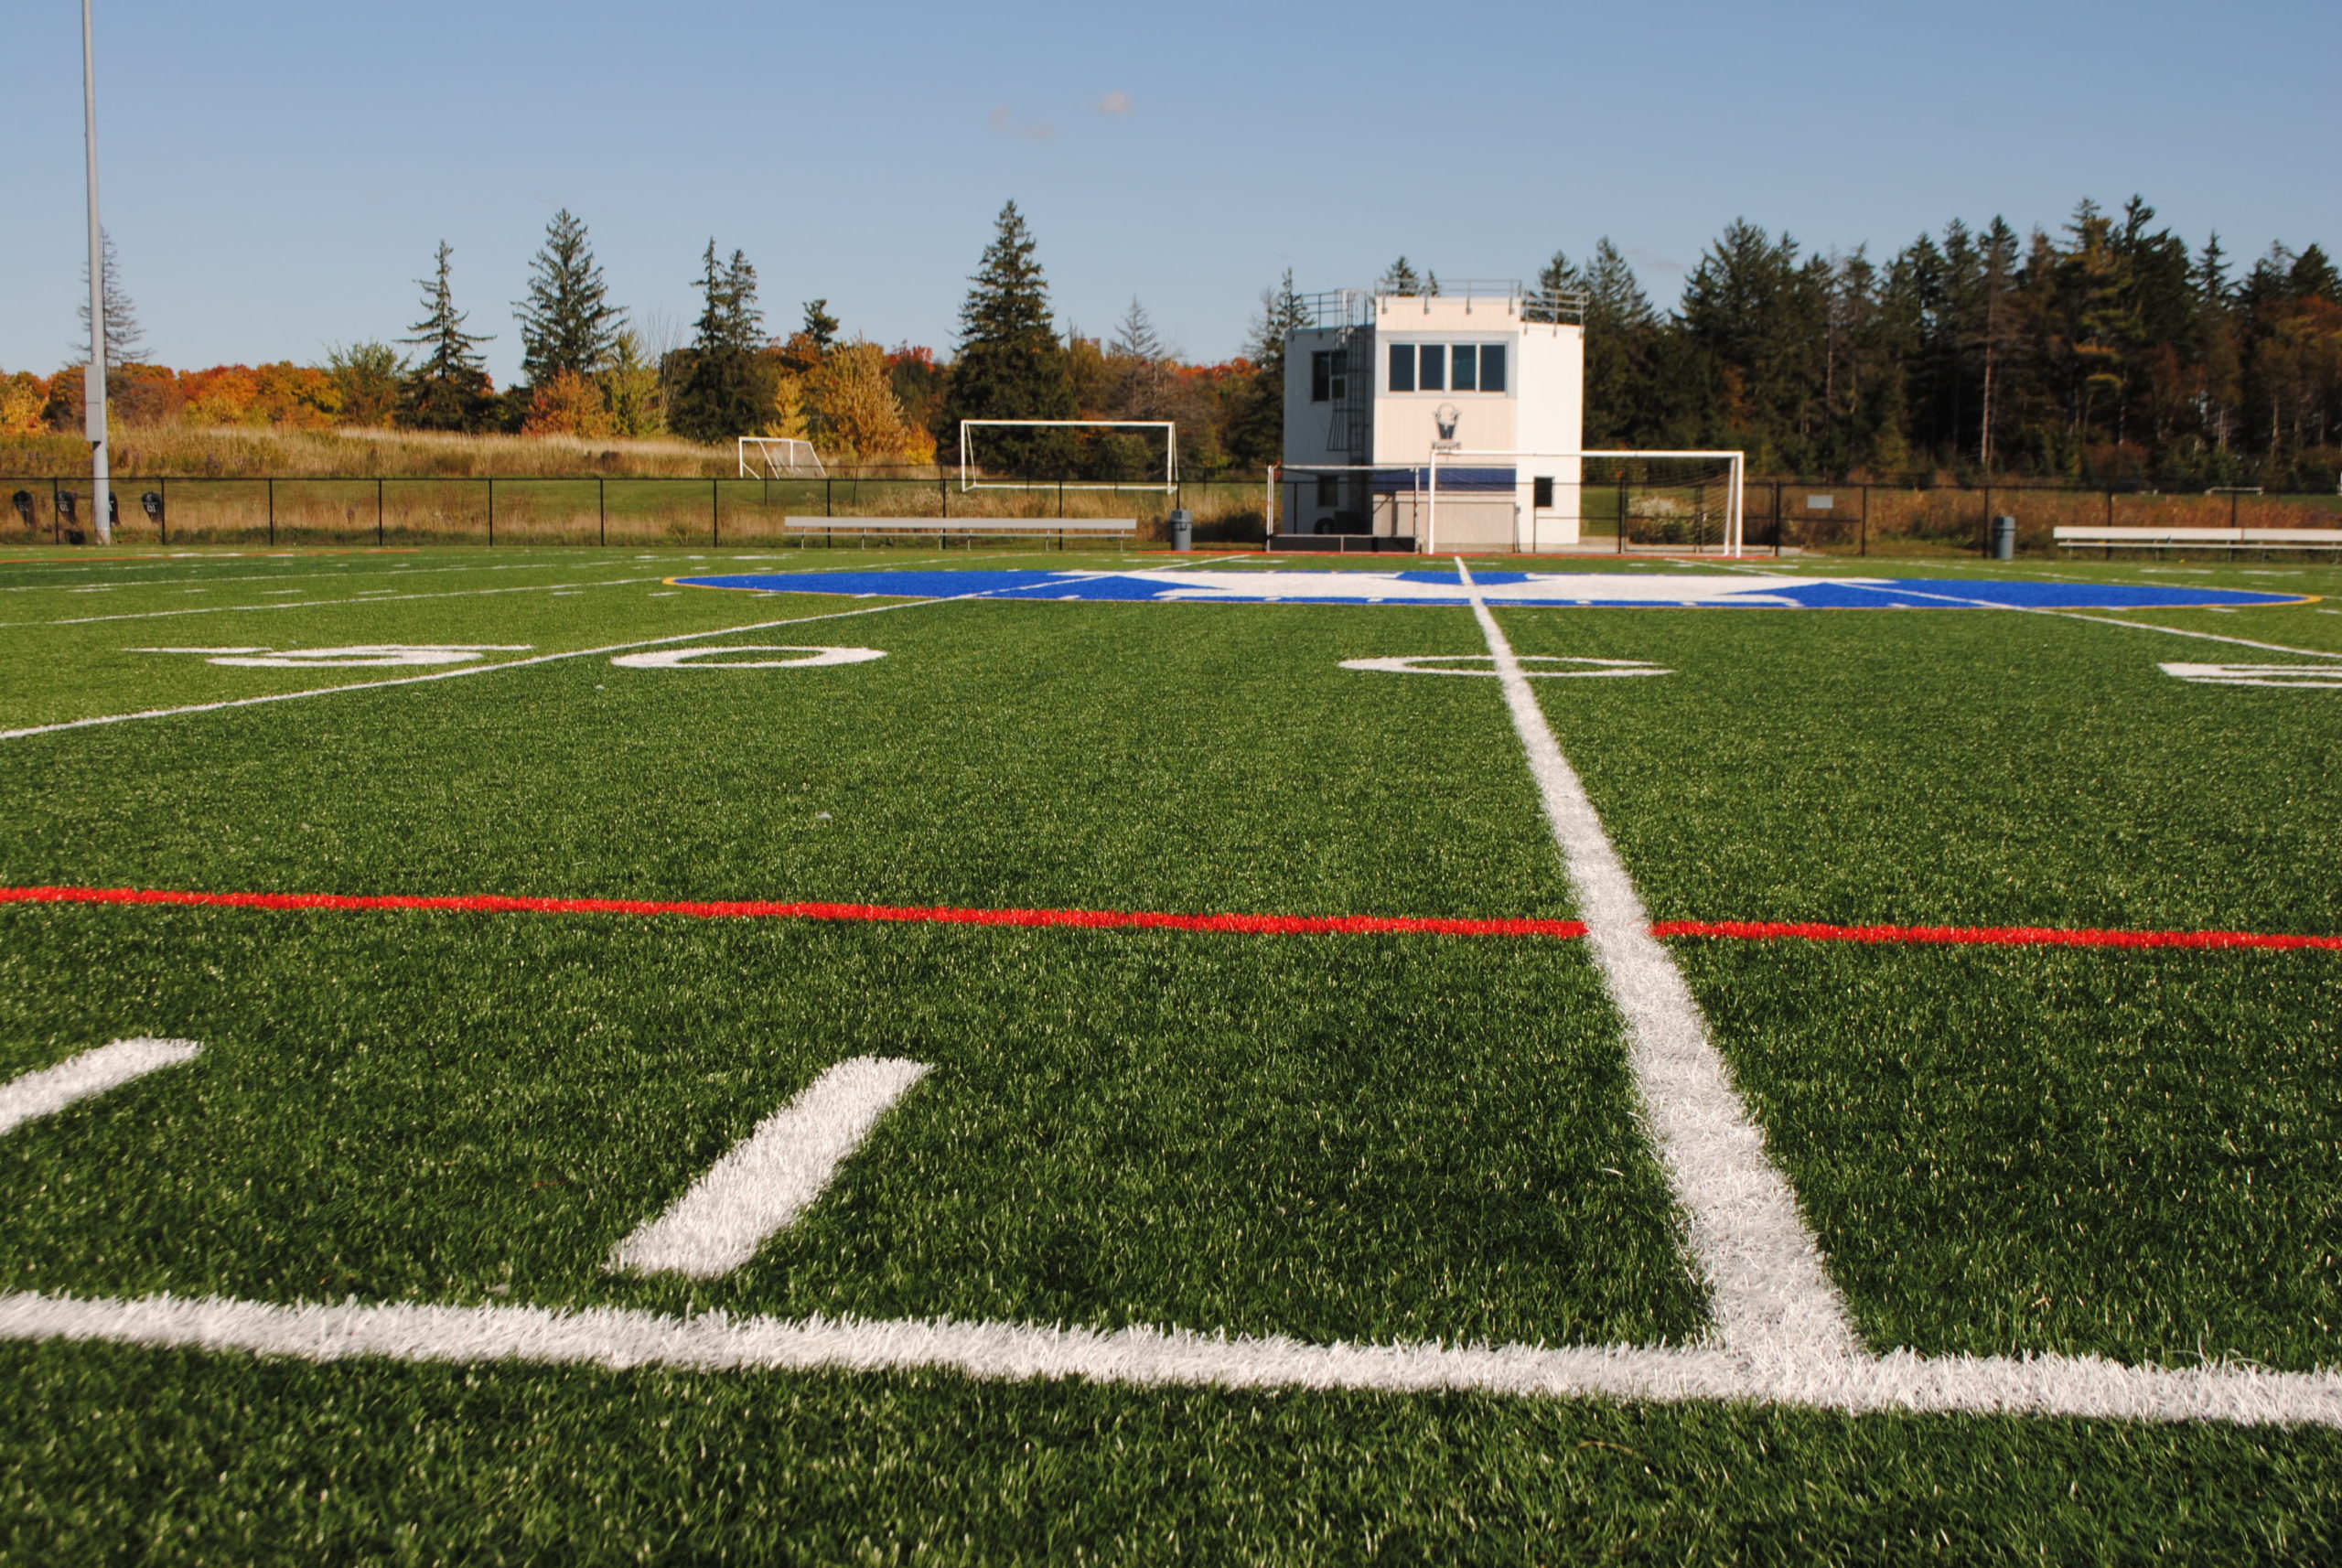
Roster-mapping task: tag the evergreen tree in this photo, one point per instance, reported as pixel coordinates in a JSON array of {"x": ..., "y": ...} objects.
[
  {"x": 568, "y": 323},
  {"x": 125, "y": 340},
  {"x": 1401, "y": 279},
  {"x": 450, "y": 389},
  {"x": 723, "y": 388},
  {"x": 820, "y": 326},
  {"x": 1256, "y": 414},
  {"x": 1011, "y": 364},
  {"x": 1140, "y": 375}
]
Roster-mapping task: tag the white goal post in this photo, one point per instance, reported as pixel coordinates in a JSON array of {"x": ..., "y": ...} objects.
[
  {"x": 1556, "y": 483},
  {"x": 778, "y": 458},
  {"x": 971, "y": 473}
]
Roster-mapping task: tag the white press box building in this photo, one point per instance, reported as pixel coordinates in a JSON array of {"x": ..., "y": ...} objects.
[{"x": 1380, "y": 381}]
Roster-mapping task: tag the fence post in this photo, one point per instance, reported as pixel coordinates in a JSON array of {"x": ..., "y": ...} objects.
[
  {"x": 379, "y": 536},
  {"x": 491, "y": 511},
  {"x": 272, "y": 511},
  {"x": 943, "y": 496},
  {"x": 1779, "y": 522},
  {"x": 163, "y": 516},
  {"x": 715, "y": 515},
  {"x": 1988, "y": 512},
  {"x": 56, "y": 522},
  {"x": 601, "y": 510},
  {"x": 1863, "y": 532}
]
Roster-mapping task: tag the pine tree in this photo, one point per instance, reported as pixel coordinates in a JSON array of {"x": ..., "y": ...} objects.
[
  {"x": 1011, "y": 364},
  {"x": 568, "y": 323},
  {"x": 450, "y": 389},
  {"x": 125, "y": 340},
  {"x": 1141, "y": 376},
  {"x": 821, "y": 327},
  {"x": 1401, "y": 279},
  {"x": 1256, "y": 417},
  {"x": 724, "y": 389}
]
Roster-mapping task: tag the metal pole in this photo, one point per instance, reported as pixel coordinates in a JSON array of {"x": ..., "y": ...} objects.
[
  {"x": 93, "y": 385},
  {"x": 272, "y": 511},
  {"x": 602, "y": 508},
  {"x": 378, "y": 535},
  {"x": 491, "y": 511},
  {"x": 715, "y": 516},
  {"x": 1864, "y": 549}
]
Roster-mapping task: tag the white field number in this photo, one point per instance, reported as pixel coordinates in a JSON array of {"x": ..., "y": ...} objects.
[
  {"x": 1537, "y": 666},
  {"x": 720, "y": 658},
  {"x": 357, "y": 656}
]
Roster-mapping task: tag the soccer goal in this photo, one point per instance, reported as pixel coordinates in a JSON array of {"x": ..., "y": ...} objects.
[
  {"x": 780, "y": 458},
  {"x": 1069, "y": 453},
  {"x": 1669, "y": 501}
]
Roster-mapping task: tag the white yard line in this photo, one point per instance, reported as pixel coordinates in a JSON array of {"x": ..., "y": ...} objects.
[
  {"x": 2102, "y": 620},
  {"x": 51, "y": 1089},
  {"x": 457, "y": 674},
  {"x": 616, "y": 1340},
  {"x": 1770, "y": 1295},
  {"x": 772, "y": 1176},
  {"x": 372, "y": 597}
]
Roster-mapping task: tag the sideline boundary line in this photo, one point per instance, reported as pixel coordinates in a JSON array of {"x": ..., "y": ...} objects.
[
  {"x": 1161, "y": 920},
  {"x": 617, "y": 1339},
  {"x": 463, "y": 671},
  {"x": 2110, "y": 620}
]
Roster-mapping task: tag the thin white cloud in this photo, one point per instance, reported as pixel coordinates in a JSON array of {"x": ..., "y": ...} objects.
[
  {"x": 1644, "y": 257},
  {"x": 1115, "y": 103},
  {"x": 1002, "y": 122}
]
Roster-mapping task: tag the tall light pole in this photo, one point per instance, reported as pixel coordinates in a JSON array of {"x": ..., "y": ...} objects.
[{"x": 94, "y": 384}]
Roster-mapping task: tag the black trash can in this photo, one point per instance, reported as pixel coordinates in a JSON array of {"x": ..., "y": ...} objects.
[
  {"x": 1183, "y": 528},
  {"x": 2005, "y": 538}
]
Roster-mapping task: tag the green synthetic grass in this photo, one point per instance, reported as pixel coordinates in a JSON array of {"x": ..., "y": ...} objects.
[
  {"x": 1345, "y": 1138},
  {"x": 2131, "y": 1153},
  {"x": 169, "y": 1457}
]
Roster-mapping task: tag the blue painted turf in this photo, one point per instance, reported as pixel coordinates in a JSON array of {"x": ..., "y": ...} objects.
[{"x": 1360, "y": 587}]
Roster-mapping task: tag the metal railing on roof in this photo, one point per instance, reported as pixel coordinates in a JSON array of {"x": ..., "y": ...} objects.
[{"x": 1356, "y": 307}]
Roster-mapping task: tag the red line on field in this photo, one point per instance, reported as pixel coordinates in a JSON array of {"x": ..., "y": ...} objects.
[
  {"x": 1155, "y": 919},
  {"x": 720, "y": 910}
]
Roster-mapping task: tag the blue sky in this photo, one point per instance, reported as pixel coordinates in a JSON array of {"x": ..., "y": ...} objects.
[{"x": 276, "y": 174}]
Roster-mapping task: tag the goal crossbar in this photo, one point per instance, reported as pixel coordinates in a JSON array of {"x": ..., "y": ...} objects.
[
  {"x": 971, "y": 475},
  {"x": 778, "y": 457},
  {"x": 1735, "y": 480}
]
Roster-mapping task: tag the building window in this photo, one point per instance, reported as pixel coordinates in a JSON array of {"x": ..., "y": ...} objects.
[
  {"x": 1329, "y": 376},
  {"x": 1430, "y": 367},
  {"x": 1542, "y": 492}
]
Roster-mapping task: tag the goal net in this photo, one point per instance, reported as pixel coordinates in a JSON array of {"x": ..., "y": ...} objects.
[
  {"x": 1662, "y": 501},
  {"x": 778, "y": 458},
  {"x": 1069, "y": 454}
]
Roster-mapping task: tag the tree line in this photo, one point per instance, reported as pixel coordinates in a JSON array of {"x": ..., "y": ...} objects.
[{"x": 2110, "y": 352}]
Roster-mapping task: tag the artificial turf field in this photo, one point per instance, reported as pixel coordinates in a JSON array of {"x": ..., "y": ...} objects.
[{"x": 1403, "y": 1131}]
